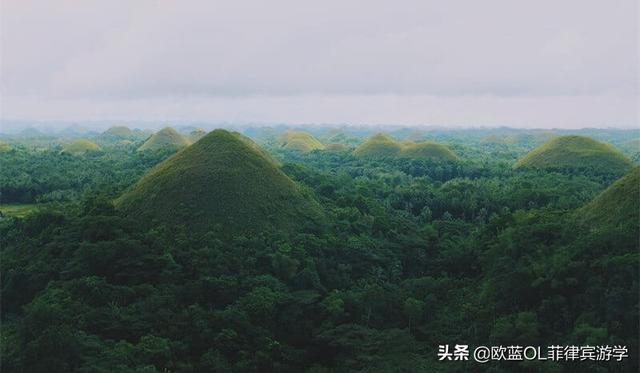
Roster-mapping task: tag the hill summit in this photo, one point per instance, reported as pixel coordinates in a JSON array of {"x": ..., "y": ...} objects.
[
  {"x": 166, "y": 137},
  {"x": 618, "y": 205},
  {"x": 224, "y": 182},
  {"x": 383, "y": 146},
  {"x": 300, "y": 141},
  {"x": 378, "y": 146},
  {"x": 121, "y": 132},
  {"x": 576, "y": 152},
  {"x": 80, "y": 146},
  {"x": 427, "y": 150}
]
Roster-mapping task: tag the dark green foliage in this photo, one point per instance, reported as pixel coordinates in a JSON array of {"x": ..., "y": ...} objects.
[
  {"x": 427, "y": 150},
  {"x": 412, "y": 253},
  {"x": 48, "y": 176}
]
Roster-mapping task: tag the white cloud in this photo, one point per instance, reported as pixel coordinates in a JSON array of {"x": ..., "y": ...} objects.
[{"x": 119, "y": 54}]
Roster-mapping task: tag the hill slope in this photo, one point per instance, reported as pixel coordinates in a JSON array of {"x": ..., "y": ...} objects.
[
  {"x": 427, "y": 150},
  {"x": 221, "y": 182},
  {"x": 378, "y": 146},
  {"x": 300, "y": 141},
  {"x": 618, "y": 205},
  {"x": 166, "y": 137},
  {"x": 576, "y": 152},
  {"x": 80, "y": 146}
]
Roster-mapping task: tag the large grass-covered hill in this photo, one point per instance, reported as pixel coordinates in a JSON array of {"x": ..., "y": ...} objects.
[
  {"x": 576, "y": 152},
  {"x": 224, "y": 182}
]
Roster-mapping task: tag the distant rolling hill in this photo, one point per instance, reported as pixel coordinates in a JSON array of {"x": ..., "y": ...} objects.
[
  {"x": 576, "y": 152},
  {"x": 121, "y": 132},
  {"x": 427, "y": 150},
  {"x": 167, "y": 137},
  {"x": 79, "y": 146},
  {"x": 299, "y": 141},
  {"x": 384, "y": 146}
]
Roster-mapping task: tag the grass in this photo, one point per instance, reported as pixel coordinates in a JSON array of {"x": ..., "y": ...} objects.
[
  {"x": 378, "y": 146},
  {"x": 223, "y": 182},
  {"x": 80, "y": 146},
  {"x": 300, "y": 141},
  {"x": 576, "y": 151},
  {"x": 426, "y": 150},
  {"x": 383, "y": 146},
  {"x": 19, "y": 210},
  {"x": 166, "y": 137},
  {"x": 618, "y": 205}
]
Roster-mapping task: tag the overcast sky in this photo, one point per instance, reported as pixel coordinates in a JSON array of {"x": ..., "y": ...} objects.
[{"x": 542, "y": 63}]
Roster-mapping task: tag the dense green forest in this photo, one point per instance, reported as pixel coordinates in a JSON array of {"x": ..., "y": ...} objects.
[{"x": 406, "y": 253}]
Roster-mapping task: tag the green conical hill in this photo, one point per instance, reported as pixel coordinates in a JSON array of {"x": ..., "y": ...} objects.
[
  {"x": 378, "y": 146},
  {"x": 122, "y": 132},
  {"x": 299, "y": 141},
  {"x": 166, "y": 137},
  {"x": 576, "y": 152},
  {"x": 222, "y": 183},
  {"x": 79, "y": 146},
  {"x": 618, "y": 205},
  {"x": 427, "y": 150}
]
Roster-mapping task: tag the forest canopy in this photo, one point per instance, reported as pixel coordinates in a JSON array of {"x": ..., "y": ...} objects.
[{"x": 406, "y": 253}]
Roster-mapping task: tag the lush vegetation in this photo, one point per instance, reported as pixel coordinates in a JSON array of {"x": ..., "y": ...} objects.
[
  {"x": 409, "y": 254},
  {"x": 427, "y": 150},
  {"x": 28, "y": 176}
]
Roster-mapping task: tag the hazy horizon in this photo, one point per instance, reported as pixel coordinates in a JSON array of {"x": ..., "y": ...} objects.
[{"x": 460, "y": 64}]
